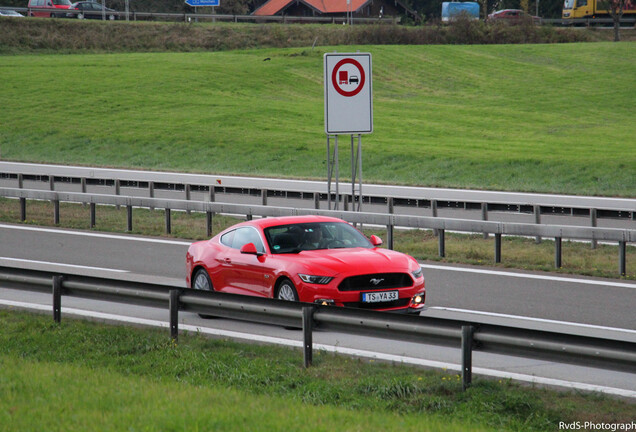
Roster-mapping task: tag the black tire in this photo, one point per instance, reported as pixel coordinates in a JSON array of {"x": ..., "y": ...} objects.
[
  {"x": 111, "y": 17},
  {"x": 201, "y": 281},
  {"x": 286, "y": 291}
]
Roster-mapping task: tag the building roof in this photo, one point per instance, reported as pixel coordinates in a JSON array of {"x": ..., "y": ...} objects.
[{"x": 272, "y": 7}]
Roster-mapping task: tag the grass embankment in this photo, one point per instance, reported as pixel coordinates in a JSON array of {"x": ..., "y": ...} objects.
[
  {"x": 520, "y": 253},
  {"x": 82, "y": 376},
  {"x": 548, "y": 118}
]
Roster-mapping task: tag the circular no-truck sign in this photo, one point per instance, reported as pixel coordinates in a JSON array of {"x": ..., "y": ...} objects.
[{"x": 348, "y": 77}]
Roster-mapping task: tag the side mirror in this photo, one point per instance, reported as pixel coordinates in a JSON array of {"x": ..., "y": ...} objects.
[
  {"x": 375, "y": 240},
  {"x": 249, "y": 249}
]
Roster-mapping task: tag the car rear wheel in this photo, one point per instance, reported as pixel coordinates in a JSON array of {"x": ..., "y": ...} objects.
[
  {"x": 80, "y": 16},
  {"x": 201, "y": 281},
  {"x": 111, "y": 17},
  {"x": 287, "y": 291}
]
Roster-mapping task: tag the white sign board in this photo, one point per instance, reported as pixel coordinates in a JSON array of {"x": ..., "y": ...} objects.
[{"x": 348, "y": 94}]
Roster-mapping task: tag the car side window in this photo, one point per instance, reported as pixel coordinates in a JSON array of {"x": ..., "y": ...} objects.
[
  {"x": 228, "y": 238},
  {"x": 581, "y": 3},
  {"x": 247, "y": 235}
]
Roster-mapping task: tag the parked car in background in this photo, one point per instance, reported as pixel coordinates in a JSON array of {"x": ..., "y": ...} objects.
[
  {"x": 92, "y": 10},
  {"x": 513, "y": 16},
  {"x": 10, "y": 13},
  {"x": 48, "y": 8},
  {"x": 312, "y": 259}
]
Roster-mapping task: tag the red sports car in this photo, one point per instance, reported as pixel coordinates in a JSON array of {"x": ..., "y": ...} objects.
[{"x": 310, "y": 259}]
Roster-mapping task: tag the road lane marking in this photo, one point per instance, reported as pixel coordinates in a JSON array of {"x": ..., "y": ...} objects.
[
  {"x": 530, "y": 276},
  {"x": 524, "y": 318},
  {"x": 63, "y": 265},
  {"x": 335, "y": 349},
  {"x": 97, "y": 235}
]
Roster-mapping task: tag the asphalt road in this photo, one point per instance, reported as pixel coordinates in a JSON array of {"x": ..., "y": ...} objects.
[
  {"x": 543, "y": 300},
  {"x": 600, "y": 302}
]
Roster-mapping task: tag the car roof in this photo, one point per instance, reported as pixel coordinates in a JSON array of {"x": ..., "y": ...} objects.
[{"x": 288, "y": 220}]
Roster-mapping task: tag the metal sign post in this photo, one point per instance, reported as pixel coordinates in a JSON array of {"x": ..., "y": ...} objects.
[{"x": 348, "y": 110}]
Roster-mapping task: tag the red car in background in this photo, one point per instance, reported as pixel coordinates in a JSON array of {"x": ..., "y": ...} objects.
[
  {"x": 49, "y": 8},
  {"x": 513, "y": 16},
  {"x": 310, "y": 259}
]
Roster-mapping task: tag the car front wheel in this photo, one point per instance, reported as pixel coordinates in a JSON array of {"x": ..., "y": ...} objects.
[
  {"x": 287, "y": 291},
  {"x": 201, "y": 281},
  {"x": 80, "y": 16}
]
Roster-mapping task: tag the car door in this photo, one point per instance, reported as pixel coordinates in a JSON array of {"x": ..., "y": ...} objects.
[{"x": 244, "y": 272}]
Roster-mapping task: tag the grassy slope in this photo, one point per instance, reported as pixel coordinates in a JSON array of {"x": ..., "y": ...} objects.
[
  {"x": 82, "y": 376},
  {"x": 551, "y": 118}
]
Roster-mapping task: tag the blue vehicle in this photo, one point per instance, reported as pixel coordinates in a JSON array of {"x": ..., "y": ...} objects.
[{"x": 452, "y": 10}]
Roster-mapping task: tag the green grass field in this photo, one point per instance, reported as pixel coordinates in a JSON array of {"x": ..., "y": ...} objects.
[
  {"x": 81, "y": 376},
  {"x": 549, "y": 118}
]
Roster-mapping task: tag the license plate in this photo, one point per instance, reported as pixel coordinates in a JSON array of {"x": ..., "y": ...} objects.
[{"x": 380, "y": 296}]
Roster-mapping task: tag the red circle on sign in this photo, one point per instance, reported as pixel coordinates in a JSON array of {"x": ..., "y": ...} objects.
[{"x": 334, "y": 79}]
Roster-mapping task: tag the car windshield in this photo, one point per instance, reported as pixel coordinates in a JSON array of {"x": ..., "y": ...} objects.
[
  {"x": 568, "y": 4},
  {"x": 300, "y": 237}
]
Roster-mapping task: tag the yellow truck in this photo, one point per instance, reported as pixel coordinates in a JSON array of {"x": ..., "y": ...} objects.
[{"x": 573, "y": 9}]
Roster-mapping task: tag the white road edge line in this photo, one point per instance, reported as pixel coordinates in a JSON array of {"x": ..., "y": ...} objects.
[
  {"x": 93, "y": 234},
  {"x": 530, "y": 276},
  {"x": 63, "y": 265},
  {"x": 335, "y": 349},
  {"x": 524, "y": 318}
]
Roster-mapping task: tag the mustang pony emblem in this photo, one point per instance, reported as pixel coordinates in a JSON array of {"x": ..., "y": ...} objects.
[{"x": 376, "y": 282}]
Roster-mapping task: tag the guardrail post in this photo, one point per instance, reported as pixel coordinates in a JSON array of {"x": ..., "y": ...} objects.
[
  {"x": 467, "y": 356},
  {"x": 129, "y": 223},
  {"x": 174, "y": 314},
  {"x": 20, "y": 181},
  {"x": 151, "y": 191},
  {"x": 622, "y": 265},
  {"x": 117, "y": 190},
  {"x": 442, "y": 243},
  {"x": 316, "y": 201},
  {"x": 212, "y": 194},
  {"x": 168, "y": 222},
  {"x": 188, "y": 189},
  {"x": 56, "y": 212},
  {"x": 93, "y": 215},
  {"x": 593, "y": 223},
  {"x": 57, "y": 298},
  {"x": 308, "y": 324},
  {"x": 51, "y": 182},
  {"x": 22, "y": 209},
  {"x": 484, "y": 215},
  {"x": 208, "y": 222},
  {"x": 497, "y": 248},
  {"x": 264, "y": 197},
  {"x": 557, "y": 252},
  {"x": 537, "y": 220},
  {"x": 434, "y": 214}
]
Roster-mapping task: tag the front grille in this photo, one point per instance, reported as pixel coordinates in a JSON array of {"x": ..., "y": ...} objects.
[
  {"x": 378, "y": 281},
  {"x": 381, "y": 305}
]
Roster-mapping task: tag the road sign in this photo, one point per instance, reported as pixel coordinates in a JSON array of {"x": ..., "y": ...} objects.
[
  {"x": 348, "y": 93},
  {"x": 197, "y": 3}
]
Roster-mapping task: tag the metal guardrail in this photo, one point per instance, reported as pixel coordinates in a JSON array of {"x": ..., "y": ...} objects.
[
  {"x": 611, "y": 351},
  {"x": 393, "y": 198},
  {"x": 192, "y": 17},
  {"x": 440, "y": 225}
]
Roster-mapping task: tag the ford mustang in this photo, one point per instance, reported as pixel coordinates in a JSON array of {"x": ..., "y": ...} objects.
[{"x": 313, "y": 259}]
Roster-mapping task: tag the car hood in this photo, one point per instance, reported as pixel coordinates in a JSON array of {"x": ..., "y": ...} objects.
[{"x": 330, "y": 262}]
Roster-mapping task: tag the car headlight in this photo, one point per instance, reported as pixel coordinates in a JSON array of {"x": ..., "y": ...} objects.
[
  {"x": 417, "y": 273},
  {"x": 319, "y": 280}
]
